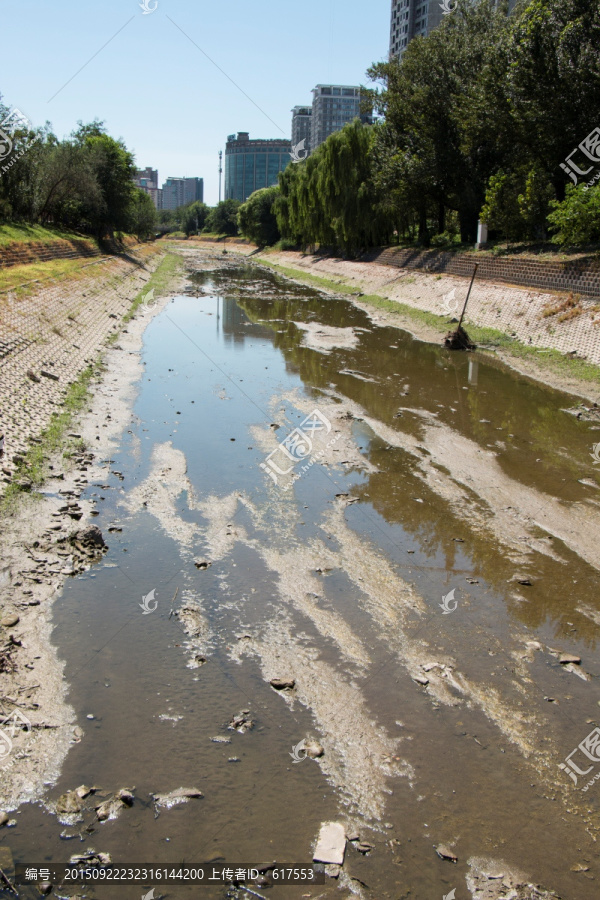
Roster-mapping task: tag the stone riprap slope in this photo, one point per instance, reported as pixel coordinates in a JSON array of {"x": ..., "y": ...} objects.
[
  {"x": 18, "y": 254},
  {"x": 526, "y": 315},
  {"x": 50, "y": 335}
]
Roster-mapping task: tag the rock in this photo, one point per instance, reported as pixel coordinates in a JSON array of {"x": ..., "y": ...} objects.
[
  {"x": 420, "y": 679},
  {"x": 68, "y": 804},
  {"x": 282, "y": 684},
  {"x": 83, "y": 791},
  {"x": 364, "y": 847},
  {"x": 331, "y": 844},
  {"x": 110, "y": 809},
  {"x": 352, "y": 836},
  {"x": 126, "y": 796},
  {"x": 50, "y": 375},
  {"x": 564, "y": 658},
  {"x": 521, "y": 579},
  {"x": 31, "y": 375},
  {"x": 181, "y": 795},
  {"x": 45, "y": 887},
  {"x": 220, "y": 740},
  {"x": 333, "y": 871},
  {"x": 9, "y": 620},
  {"x": 444, "y": 853},
  {"x": 242, "y": 722},
  {"x": 90, "y": 538},
  {"x": 3, "y": 819},
  {"x": 202, "y": 563},
  {"x": 313, "y": 749}
]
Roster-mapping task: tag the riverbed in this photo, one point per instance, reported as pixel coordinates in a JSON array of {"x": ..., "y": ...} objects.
[{"x": 406, "y": 537}]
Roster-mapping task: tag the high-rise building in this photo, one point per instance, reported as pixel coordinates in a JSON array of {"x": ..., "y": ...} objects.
[
  {"x": 410, "y": 18},
  {"x": 178, "y": 192},
  {"x": 147, "y": 180},
  {"x": 333, "y": 106},
  {"x": 193, "y": 189},
  {"x": 301, "y": 122},
  {"x": 252, "y": 164}
]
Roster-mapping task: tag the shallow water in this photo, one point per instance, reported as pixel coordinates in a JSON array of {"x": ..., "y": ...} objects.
[{"x": 344, "y": 596}]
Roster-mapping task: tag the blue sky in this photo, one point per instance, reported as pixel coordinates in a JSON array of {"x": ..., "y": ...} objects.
[{"x": 161, "y": 94}]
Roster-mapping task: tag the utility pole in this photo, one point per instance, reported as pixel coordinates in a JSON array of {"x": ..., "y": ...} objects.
[{"x": 220, "y": 170}]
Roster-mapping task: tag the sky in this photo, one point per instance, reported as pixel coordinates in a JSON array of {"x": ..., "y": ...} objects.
[{"x": 175, "y": 82}]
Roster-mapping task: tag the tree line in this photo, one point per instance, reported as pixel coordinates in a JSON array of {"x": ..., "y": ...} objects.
[
  {"x": 83, "y": 183},
  {"x": 491, "y": 117}
]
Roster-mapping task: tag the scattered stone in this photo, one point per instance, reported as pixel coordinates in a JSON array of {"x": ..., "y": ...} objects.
[
  {"x": 126, "y": 796},
  {"x": 242, "y": 722},
  {"x": 331, "y": 844},
  {"x": 333, "y": 871},
  {"x": 282, "y": 684},
  {"x": 220, "y": 740},
  {"x": 68, "y": 804},
  {"x": 90, "y": 539},
  {"x": 91, "y": 858},
  {"x": 420, "y": 679},
  {"x": 84, "y": 791},
  {"x": 9, "y": 620},
  {"x": 181, "y": 795},
  {"x": 110, "y": 809},
  {"x": 444, "y": 853},
  {"x": 202, "y": 563},
  {"x": 364, "y": 847},
  {"x": 352, "y": 836},
  {"x": 313, "y": 749},
  {"x": 579, "y": 867},
  {"x": 521, "y": 579},
  {"x": 565, "y": 658},
  {"x": 50, "y": 375},
  {"x": 3, "y": 819},
  {"x": 31, "y": 374},
  {"x": 45, "y": 887}
]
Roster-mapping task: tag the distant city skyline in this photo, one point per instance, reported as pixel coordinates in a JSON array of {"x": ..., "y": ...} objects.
[
  {"x": 175, "y": 192},
  {"x": 106, "y": 65}
]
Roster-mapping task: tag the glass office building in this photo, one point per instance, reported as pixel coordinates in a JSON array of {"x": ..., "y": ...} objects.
[{"x": 253, "y": 164}]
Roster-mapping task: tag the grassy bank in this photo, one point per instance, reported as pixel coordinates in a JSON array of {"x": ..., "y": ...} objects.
[
  {"x": 546, "y": 360},
  {"x": 169, "y": 267},
  {"x": 37, "y": 234}
]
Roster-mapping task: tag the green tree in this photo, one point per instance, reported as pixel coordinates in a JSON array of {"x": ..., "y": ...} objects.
[
  {"x": 114, "y": 169},
  {"x": 257, "y": 219},
  {"x": 576, "y": 220},
  {"x": 222, "y": 218},
  {"x": 193, "y": 217},
  {"x": 143, "y": 215}
]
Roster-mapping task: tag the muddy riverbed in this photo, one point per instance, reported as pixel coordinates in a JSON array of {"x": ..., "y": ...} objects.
[{"x": 405, "y": 537}]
